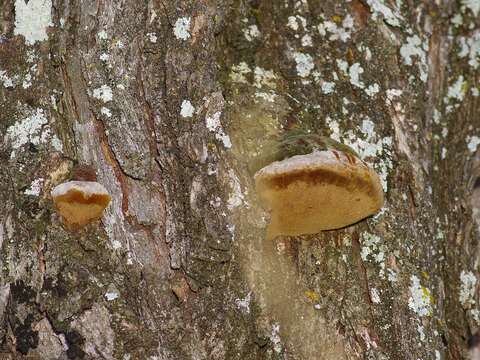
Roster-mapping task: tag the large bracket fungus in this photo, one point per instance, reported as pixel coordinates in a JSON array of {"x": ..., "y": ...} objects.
[
  {"x": 80, "y": 202},
  {"x": 322, "y": 190}
]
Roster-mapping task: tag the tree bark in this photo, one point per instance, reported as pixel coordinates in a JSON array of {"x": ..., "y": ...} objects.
[{"x": 172, "y": 104}]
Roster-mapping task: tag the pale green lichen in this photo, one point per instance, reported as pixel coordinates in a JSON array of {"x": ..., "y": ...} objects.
[{"x": 420, "y": 300}]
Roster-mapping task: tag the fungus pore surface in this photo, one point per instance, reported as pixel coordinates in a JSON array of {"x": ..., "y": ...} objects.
[
  {"x": 80, "y": 202},
  {"x": 324, "y": 190}
]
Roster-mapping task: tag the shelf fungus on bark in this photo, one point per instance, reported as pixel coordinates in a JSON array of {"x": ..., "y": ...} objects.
[
  {"x": 322, "y": 190},
  {"x": 80, "y": 202}
]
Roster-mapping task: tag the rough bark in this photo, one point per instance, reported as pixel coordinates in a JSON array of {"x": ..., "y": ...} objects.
[{"x": 178, "y": 267}]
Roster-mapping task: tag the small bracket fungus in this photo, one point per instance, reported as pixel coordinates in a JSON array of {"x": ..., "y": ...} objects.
[
  {"x": 80, "y": 202},
  {"x": 323, "y": 190}
]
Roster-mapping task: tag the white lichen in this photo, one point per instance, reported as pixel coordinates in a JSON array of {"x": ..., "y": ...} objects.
[
  {"x": 420, "y": 300},
  {"x": 336, "y": 32},
  {"x": 103, "y": 93},
  {"x": 32, "y": 19},
  {"x": 33, "y": 129},
  {"x": 35, "y": 187},
  {"x": 182, "y": 28},
  {"x": 304, "y": 64},
  {"x": 415, "y": 47},
  {"x": 472, "y": 143},
  {"x": 443, "y": 155},
  {"x": 214, "y": 125},
  {"x": 368, "y": 53},
  {"x": 56, "y": 143},
  {"x": 187, "y": 109},
  {"x": 392, "y": 93},
  {"x": 475, "y": 315},
  {"x": 354, "y": 72},
  {"x": 6, "y": 81},
  {"x": 342, "y": 66},
  {"x": 244, "y": 304},
  {"x": 391, "y": 17},
  {"x": 213, "y": 122},
  {"x": 372, "y": 90},
  {"x": 251, "y": 32},
  {"x": 239, "y": 71},
  {"x": 456, "y": 90},
  {"x": 421, "y": 332},
  {"x": 468, "y": 285},
  {"x": 104, "y": 57},
  {"x": 334, "y": 127},
  {"x": 27, "y": 82},
  {"x": 375, "y": 296},
  {"x": 106, "y": 111},
  {"x": 473, "y": 5},
  {"x": 307, "y": 40},
  {"x": 373, "y": 250},
  {"x": 152, "y": 37},
  {"x": 112, "y": 293},
  {"x": 294, "y": 21},
  {"x": 275, "y": 338},
  {"x": 328, "y": 87},
  {"x": 102, "y": 35},
  {"x": 369, "y": 146},
  {"x": 470, "y": 46},
  {"x": 392, "y": 276}
]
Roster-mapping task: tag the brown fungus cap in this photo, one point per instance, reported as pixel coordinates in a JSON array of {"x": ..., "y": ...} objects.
[
  {"x": 323, "y": 190},
  {"x": 80, "y": 202}
]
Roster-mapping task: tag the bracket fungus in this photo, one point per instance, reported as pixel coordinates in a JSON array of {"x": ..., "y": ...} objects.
[
  {"x": 80, "y": 202},
  {"x": 322, "y": 190}
]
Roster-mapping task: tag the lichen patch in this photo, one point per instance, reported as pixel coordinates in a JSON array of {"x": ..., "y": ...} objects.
[
  {"x": 181, "y": 28},
  {"x": 32, "y": 19},
  {"x": 420, "y": 300}
]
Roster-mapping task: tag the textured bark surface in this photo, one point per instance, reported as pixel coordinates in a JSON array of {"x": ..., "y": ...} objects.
[{"x": 172, "y": 104}]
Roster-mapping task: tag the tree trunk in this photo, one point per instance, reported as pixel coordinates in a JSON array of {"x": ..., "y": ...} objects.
[{"x": 172, "y": 104}]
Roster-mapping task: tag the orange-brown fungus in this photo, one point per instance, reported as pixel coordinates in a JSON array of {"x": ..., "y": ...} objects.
[
  {"x": 80, "y": 202},
  {"x": 320, "y": 191}
]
